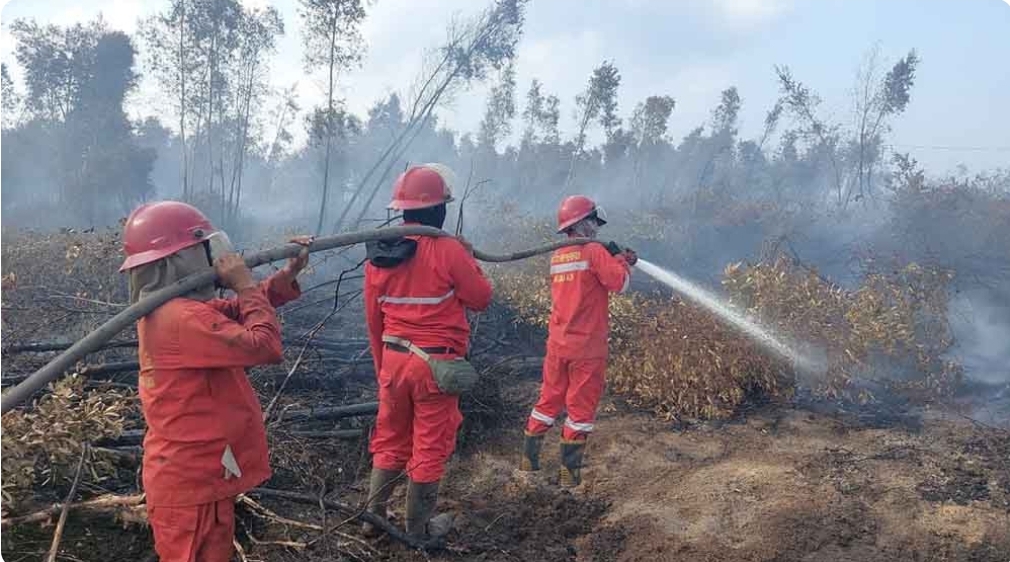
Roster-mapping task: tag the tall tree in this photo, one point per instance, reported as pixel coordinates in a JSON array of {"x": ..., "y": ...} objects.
[
  {"x": 173, "y": 60},
  {"x": 597, "y": 102},
  {"x": 500, "y": 110},
  {"x": 190, "y": 49},
  {"x": 79, "y": 77},
  {"x": 540, "y": 116},
  {"x": 877, "y": 100},
  {"x": 11, "y": 98},
  {"x": 473, "y": 49},
  {"x": 332, "y": 43},
  {"x": 56, "y": 62},
  {"x": 257, "y": 33},
  {"x": 649, "y": 123},
  {"x": 651, "y": 119}
]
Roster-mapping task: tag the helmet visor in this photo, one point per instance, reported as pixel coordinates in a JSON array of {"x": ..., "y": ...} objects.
[
  {"x": 218, "y": 244},
  {"x": 600, "y": 215}
]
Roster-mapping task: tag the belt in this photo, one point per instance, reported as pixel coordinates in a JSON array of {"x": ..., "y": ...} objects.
[{"x": 429, "y": 350}]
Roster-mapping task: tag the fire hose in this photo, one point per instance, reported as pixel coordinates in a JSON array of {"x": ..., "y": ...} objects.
[{"x": 125, "y": 318}]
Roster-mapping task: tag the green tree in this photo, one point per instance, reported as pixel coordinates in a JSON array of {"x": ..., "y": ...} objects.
[{"x": 79, "y": 77}]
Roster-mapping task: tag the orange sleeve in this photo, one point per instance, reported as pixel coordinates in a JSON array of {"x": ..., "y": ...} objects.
[
  {"x": 210, "y": 339},
  {"x": 279, "y": 289},
  {"x": 373, "y": 317},
  {"x": 613, "y": 272},
  {"x": 471, "y": 286}
]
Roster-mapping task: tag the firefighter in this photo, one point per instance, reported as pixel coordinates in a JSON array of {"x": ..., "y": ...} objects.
[
  {"x": 205, "y": 440},
  {"x": 573, "y": 375},
  {"x": 417, "y": 290}
]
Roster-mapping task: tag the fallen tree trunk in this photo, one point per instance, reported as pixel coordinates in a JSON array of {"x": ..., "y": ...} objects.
[
  {"x": 356, "y": 513},
  {"x": 95, "y": 370},
  {"x": 125, "y": 318},
  {"x": 330, "y": 412},
  {"x": 132, "y": 437},
  {"x": 99, "y": 504},
  {"x": 40, "y": 347},
  {"x": 332, "y": 434}
]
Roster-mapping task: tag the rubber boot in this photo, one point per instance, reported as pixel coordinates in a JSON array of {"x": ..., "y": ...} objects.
[
  {"x": 530, "y": 460},
  {"x": 421, "y": 502},
  {"x": 380, "y": 487},
  {"x": 571, "y": 463}
]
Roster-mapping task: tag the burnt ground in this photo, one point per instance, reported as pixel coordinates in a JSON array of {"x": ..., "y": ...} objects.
[{"x": 780, "y": 483}]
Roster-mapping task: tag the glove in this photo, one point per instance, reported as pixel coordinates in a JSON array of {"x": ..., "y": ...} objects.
[
  {"x": 614, "y": 248},
  {"x": 630, "y": 256}
]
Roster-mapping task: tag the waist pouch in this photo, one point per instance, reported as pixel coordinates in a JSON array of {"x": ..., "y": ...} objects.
[{"x": 453, "y": 376}]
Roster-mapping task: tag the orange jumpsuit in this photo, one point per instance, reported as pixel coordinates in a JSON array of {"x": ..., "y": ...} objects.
[
  {"x": 422, "y": 300},
  {"x": 205, "y": 440},
  {"x": 573, "y": 376}
]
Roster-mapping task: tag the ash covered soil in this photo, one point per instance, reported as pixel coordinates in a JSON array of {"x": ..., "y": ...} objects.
[{"x": 782, "y": 482}]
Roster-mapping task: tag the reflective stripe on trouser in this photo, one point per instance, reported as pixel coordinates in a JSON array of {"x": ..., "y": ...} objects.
[
  {"x": 575, "y": 385},
  {"x": 415, "y": 429},
  {"x": 202, "y": 533}
]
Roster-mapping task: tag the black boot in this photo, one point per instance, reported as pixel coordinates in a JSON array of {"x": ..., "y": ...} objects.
[
  {"x": 380, "y": 487},
  {"x": 530, "y": 460},
  {"x": 571, "y": 463},
  {"x": 421, "y": 502}
]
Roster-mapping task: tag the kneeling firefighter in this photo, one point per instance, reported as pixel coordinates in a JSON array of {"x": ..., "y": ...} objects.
[
  {"x": 417, "y": 290},
  {"x": 573, "y": 375},
  {"x": 205, "y": 440}
]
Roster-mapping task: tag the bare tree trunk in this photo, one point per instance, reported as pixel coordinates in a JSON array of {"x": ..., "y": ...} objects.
[
  {"x": 242, "y": 143},
  {"x": 329, "y": 129},
  {"x": 580, "y": 140},
  {"x": 182, "y": 100},
  {"x": 210, "y": 112}
]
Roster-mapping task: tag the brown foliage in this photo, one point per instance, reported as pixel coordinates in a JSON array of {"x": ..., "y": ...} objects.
[
  {"x": 892, "y": 329},
  {"x": 678, "y": 359},
  {"x": 44, "y": 443}
]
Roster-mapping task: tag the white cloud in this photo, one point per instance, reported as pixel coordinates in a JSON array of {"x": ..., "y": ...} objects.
[{"x": 744, "y": 14}]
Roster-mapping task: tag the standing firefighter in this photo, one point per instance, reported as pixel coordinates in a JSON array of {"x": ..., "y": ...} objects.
[
  {"x": 205, "y": 440},
  {"x": 581, "y": 279},
  {"x": 417, "y": 290}
]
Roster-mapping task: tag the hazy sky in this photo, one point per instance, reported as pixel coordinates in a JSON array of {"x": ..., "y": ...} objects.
[{"x": 689, "y": 49}]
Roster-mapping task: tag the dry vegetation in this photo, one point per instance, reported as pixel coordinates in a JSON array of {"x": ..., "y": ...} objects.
[
  {"x": 669, "y": 358},
  {"x": 681, "y": 361}
]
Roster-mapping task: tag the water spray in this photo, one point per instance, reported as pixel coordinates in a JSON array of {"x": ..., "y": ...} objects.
[{"x": 761, "y": 335}]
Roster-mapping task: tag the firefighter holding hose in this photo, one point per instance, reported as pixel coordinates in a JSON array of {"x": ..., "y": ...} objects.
[
  {"x": 417, "y": 290},
  {"x": 205, "y": 441},
  {"x": 573, "y": 374}
]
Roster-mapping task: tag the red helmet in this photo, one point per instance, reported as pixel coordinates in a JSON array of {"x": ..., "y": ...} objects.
[
  {"x": 575, "y": 208},
  {"x": 421, "y": 187},
  {"x": 156, "y": 230}
]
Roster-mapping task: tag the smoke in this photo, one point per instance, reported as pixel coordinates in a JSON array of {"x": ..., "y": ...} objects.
[
  {"x": 808, "y": 187},
  {"x": 981, "y": 328}
]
